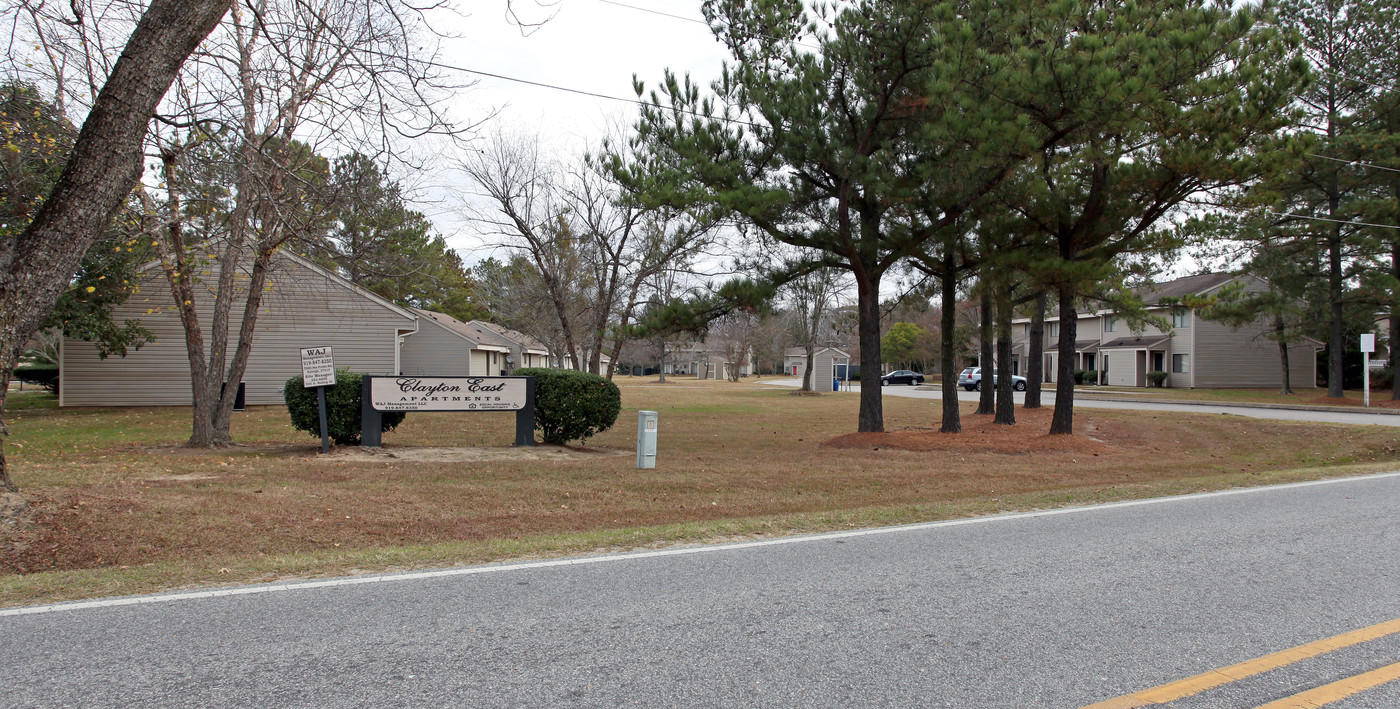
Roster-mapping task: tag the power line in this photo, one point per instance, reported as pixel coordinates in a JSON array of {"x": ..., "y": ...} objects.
[
  {"x": 581, "y": 92},
  {"x": 1353, "y": 162},
  {"x": 691, "y": 19},
  {"x": 1334, "y": 221},
  {"x": 655, "y": 12},
  {"x": 1344, "y": 77}
]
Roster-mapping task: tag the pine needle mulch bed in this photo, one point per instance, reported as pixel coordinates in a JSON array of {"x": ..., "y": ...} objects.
[{"x": 115, "y": 506}]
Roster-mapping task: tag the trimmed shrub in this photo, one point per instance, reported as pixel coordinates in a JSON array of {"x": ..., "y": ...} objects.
[
  {"x": 572, "y": 405},
  {"x": 1156, "y": 379},
  {"x": 1091, "y": 376},
  {"x": 45, "y": 375},
  {"x": 342, "y": 408},
  {"x": 1079, "y": 376}
]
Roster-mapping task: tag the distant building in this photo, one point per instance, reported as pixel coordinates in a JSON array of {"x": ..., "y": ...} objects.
[
  {"x": 304, "y": 306},
  {"x": 1193, "y": 351},
  {"x": 828, "y": 365}
]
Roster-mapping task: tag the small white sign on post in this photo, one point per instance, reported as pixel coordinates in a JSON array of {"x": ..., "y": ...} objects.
[
  {"x": 317, "y": 367},
  {"x": 1368, "y": 345}
]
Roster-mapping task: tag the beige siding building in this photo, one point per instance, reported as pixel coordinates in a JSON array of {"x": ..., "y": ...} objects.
[
  {"x": 304, "y": 306},
  {"x": 1192, "y": 351},
  {"x": 824, "y": 365},
  {"x": 447, "y": 347},
  {"x": 525, "y": 351}
]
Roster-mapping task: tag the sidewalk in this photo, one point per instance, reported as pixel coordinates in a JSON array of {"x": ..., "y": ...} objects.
[{"x": 1125, "y": 397}]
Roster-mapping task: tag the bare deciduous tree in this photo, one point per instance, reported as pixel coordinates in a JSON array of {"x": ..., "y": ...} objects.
[
  {"x": 278, "y": 80},
  {"x": 103, "y": 167},
  {"x": 588, "y": 241}
]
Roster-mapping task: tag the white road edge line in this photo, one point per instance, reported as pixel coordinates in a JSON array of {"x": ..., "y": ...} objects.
[{"x": 628, "y": 556}]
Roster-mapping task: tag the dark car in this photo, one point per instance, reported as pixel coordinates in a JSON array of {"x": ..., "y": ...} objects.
[
  {"x": 902, "y": 376},
  {"x": 971, "y": 380}
]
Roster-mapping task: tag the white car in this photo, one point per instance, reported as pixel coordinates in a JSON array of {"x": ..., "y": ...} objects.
[{"x": 971, "y": 380}]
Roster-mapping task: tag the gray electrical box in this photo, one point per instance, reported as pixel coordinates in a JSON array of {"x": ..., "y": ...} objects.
[{"x": 646, "y": 439}]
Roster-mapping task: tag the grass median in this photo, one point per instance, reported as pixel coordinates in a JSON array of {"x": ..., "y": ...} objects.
[{"x": 117, "y": 507}]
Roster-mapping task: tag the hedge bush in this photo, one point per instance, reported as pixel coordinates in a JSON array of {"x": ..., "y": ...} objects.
[
  {"x": 572, "y": 405},
  {"x": 45, "y": 375},
  {"x": 342, "y": 408},
  {"x": 1091, "y": 377},
  {"x": 1156, "y": 379},
  {"x": 1078, "y": 376}
]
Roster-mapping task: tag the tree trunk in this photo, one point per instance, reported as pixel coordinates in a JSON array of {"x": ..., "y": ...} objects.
[
  {"x": 986, "y": 391},
  {"x": 104, "y": 166},
  {"x": 948, "y": 282},
  {"x": 1287, "y": 384},
  {"x": 1335, "y": 284},
  {"x": 1006, "y": 405},
  {"x": 872, "y": 413},
  {"x": 811, "y": 362},
  {"x": 1035, "y": 358},
  {"x": 1062, "y": 422},
  {"x": 1394, "y": 345}
]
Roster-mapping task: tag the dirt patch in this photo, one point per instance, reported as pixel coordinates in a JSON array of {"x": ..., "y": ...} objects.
[
  {"x": 183, "y": 478},
  {"x": 63, "y": 531},
  {"x": 12, "y": 507},
  {"x": 980, "y": 435},
  {"x": 467, "y": 455},
  {"x": 1379, "y": 399}
]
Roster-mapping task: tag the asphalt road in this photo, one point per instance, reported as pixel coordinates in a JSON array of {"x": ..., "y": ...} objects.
[
  {"x": 1047, "y": 398},
  {"x": 1055, "y": 609}
]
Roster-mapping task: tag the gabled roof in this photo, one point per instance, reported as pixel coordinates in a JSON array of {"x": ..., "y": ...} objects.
[
  {"x": 802, "y": 351},
  {"x": 1052, "y": 344},
  {"x": 1137, "y": 343},
  {"x": 1190, "y": 285},
  {"x": 481, "y": 339},
  {"x": 303, "y": 262},
  {"x": 515, "y": 337}
]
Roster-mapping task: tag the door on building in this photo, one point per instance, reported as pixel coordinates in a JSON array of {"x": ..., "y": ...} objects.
[{"x": 1159, "y": 363}]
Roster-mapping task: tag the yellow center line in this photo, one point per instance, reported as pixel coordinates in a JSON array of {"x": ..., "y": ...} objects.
[
  {"x": 1225, "y": 675},
  {"x": 1337, "y": 691}
]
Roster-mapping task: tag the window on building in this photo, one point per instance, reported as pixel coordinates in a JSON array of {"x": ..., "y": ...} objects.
[
  {"x": 1052, "y": 329},
  {"x": 1181, "y": 318},
  {"x": 1110, "y": 323},
  {"x": 1181, "y": 364}
]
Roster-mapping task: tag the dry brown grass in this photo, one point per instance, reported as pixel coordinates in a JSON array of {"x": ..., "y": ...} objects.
[{"x": 118, "y": 507}]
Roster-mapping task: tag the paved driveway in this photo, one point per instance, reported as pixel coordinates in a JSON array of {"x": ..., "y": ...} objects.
[{"x": 1047, "y": 398}]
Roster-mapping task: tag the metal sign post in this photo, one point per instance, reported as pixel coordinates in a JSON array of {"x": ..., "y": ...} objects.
[
  {"x": 318, "y": 370},
  {"x": 1368, "y": 345}
]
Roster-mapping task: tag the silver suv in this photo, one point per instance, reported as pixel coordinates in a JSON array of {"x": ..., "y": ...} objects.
[{"x": 971, "y": 380}]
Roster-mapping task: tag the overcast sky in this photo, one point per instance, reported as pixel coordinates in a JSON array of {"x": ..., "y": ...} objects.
[
  {"x": 586, "y": 45},
  {"x": 593, "y": 46}
]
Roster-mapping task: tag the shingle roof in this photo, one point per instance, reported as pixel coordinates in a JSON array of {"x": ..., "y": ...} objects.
[
  {"x": 1140, "y": 343},
  {"x": 517, "y": 336},
  {"x": 1190, "y": 285},
  {"x": 481, "y": 336},
  {"x": 1052, "y": 345}
]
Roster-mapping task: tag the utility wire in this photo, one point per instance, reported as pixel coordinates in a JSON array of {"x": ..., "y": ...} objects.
[
  {"x": 1334, "y": 221},
  {"x": 581, "y": 92},
  {"x": 1353, "y": 162},
  {"x": 689, "y": 19},
  {"x": 655, "y": 12}
]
